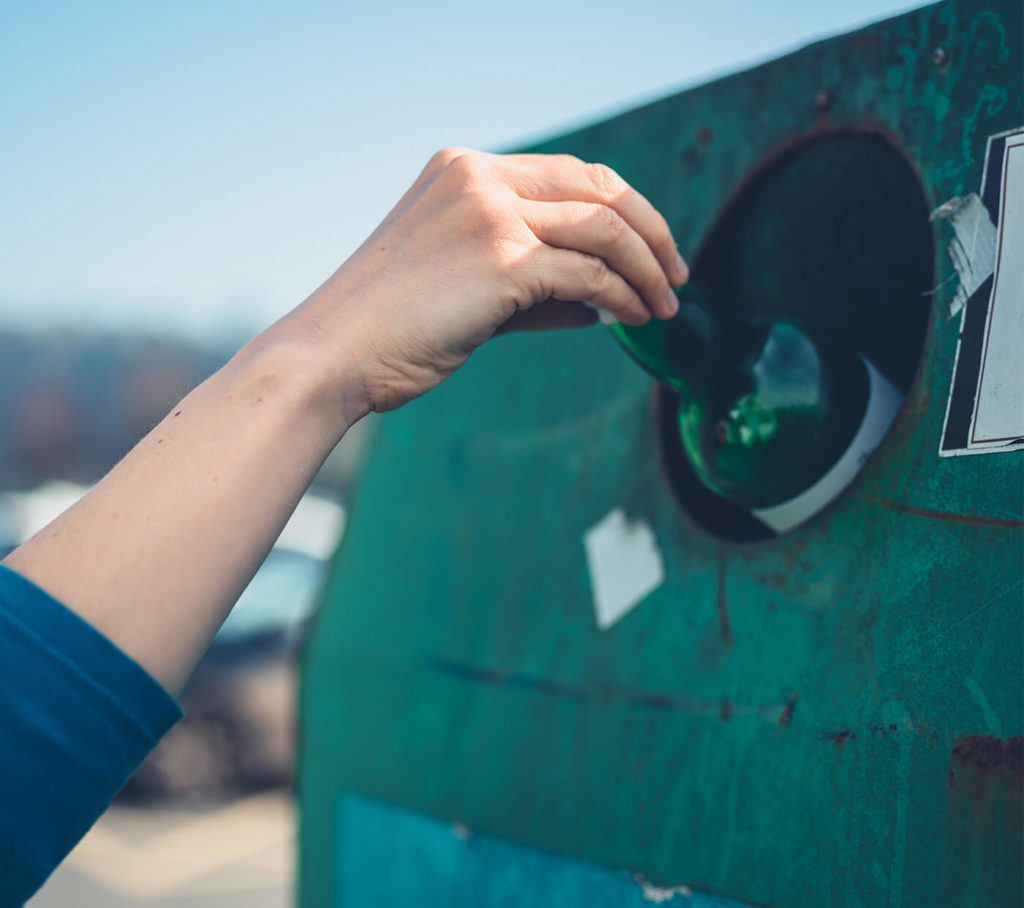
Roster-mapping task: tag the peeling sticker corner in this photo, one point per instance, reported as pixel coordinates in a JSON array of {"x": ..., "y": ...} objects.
[
  {"x": 659, "y": 894},
  {"x": 973, "y": 247}
]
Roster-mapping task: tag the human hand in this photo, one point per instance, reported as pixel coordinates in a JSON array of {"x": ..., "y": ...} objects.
[
  {"x": 158, "y": 551},
  {"x": 483, "y": 244}
]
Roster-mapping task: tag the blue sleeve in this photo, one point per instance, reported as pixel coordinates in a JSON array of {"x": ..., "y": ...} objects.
[{"x": 77, "y": 716}]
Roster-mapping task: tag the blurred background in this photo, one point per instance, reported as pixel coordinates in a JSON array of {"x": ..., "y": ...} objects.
[{"x": 176, "y": 176}]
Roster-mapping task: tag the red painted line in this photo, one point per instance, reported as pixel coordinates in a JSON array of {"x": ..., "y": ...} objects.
[
  {"x": 723, "y": 604},
  {"x": 974, "y": 520}
]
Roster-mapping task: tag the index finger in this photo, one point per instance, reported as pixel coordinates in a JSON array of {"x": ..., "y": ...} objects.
[{"x": 564, "y": 178}]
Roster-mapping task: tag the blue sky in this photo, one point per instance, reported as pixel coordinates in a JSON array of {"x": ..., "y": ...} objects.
[{"x": 202, "y": 166}]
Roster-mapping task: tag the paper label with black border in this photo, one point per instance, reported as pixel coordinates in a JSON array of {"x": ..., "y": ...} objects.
[{"x": 985, "y": 411}]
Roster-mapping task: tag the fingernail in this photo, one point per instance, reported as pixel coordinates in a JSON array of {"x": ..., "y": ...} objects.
[
  {"x": 682, "y": 270},
  {"x": 606, "y": 317},
  {"x": 673, "y": 302}
]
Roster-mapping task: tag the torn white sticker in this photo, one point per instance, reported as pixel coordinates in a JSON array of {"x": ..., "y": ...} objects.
[
  {"x": 625, "y": 565},
  {"x": 973, "y": 247}
]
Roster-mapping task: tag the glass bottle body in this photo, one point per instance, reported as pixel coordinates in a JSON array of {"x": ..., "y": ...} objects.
[{"x": 771, "y": 417}]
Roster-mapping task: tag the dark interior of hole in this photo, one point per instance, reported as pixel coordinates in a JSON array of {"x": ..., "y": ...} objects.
[{"x": 835, "y": 234}]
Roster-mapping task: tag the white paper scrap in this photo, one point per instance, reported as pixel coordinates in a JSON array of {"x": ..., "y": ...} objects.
[{"x": 625, "y": 565}]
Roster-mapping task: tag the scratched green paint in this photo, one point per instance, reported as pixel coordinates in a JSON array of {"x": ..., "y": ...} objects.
[{"x": 456, "y": 669}]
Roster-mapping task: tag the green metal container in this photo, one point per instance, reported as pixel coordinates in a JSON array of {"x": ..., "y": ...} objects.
[{"x": 831, "y": 717}]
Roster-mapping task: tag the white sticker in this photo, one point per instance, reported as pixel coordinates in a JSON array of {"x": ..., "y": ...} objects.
[
  {"x": 999, "y": 411},
  {"x": 625, "y": 565},
  {"x": 985, "y": 412}
]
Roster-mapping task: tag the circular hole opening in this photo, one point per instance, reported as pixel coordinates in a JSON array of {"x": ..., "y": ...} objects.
[{"x": 832, "y": 233}]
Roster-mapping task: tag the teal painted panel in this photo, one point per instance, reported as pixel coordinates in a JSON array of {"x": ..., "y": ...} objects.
[
  {"x": 393, "y": 858},
  {"x": 831, "y": 718}
]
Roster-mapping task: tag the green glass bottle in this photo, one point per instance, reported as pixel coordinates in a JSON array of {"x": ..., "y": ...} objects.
[{"x": 772, "y": 417}]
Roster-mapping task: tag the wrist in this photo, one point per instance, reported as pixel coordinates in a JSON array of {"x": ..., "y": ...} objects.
[{"x": 316, "y": 374}]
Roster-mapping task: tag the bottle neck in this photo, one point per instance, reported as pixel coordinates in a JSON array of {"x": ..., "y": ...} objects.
[{"x": 701, "y": 342}]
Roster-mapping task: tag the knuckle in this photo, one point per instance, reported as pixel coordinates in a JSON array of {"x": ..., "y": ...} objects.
[
  {"x": 466, "y": 164},
  {"x": 595, "y": 272},
  {"x": 605, "y": 180},
  {"x": 610, "y": 224},
  {"x": 461, "y": 187},
  {"x": 456, "y": 168},
  {"x": 494, "y": 231},
  {"x": 502, "y": 248},
  {"x": 442, "y": 158}
]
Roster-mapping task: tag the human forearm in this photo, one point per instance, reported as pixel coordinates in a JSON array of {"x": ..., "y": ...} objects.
[{"x": 157, "y": 553}]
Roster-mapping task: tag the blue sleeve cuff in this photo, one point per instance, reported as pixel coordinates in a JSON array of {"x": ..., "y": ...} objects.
[
  {"x": 77, "y": 717},
  {"x": 85, "y": 651}
]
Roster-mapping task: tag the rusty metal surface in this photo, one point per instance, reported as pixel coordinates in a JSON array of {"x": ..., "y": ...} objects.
[{"x": 829, "y": 718}]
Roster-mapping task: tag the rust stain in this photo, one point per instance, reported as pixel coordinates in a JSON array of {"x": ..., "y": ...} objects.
[
  {"x": 865, "y": 39},
  {"x": 990, "y": 754},
  {"x": 983, "y": 820},
  {"x": 787, "y": 713},
  {"x": 922, "y": 728},
  {"x": 839, "y": 738},
  {"x": 977, "y": 520},
  {"x": 789, "y": 570},
  {"x": 723, "y": 604},
  {"x": 982, "y": 767}
]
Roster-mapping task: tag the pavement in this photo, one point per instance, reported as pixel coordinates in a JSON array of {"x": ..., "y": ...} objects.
[{"x": 236, "y": 854}]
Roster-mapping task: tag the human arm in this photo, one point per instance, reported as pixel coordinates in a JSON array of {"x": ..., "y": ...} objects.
[{"x": 156, "y": 554}]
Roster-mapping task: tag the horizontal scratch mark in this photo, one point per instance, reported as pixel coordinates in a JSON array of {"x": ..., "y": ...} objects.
[
  {"x": 777, "y": 714},
  {"x": 646, "y": 699}
]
